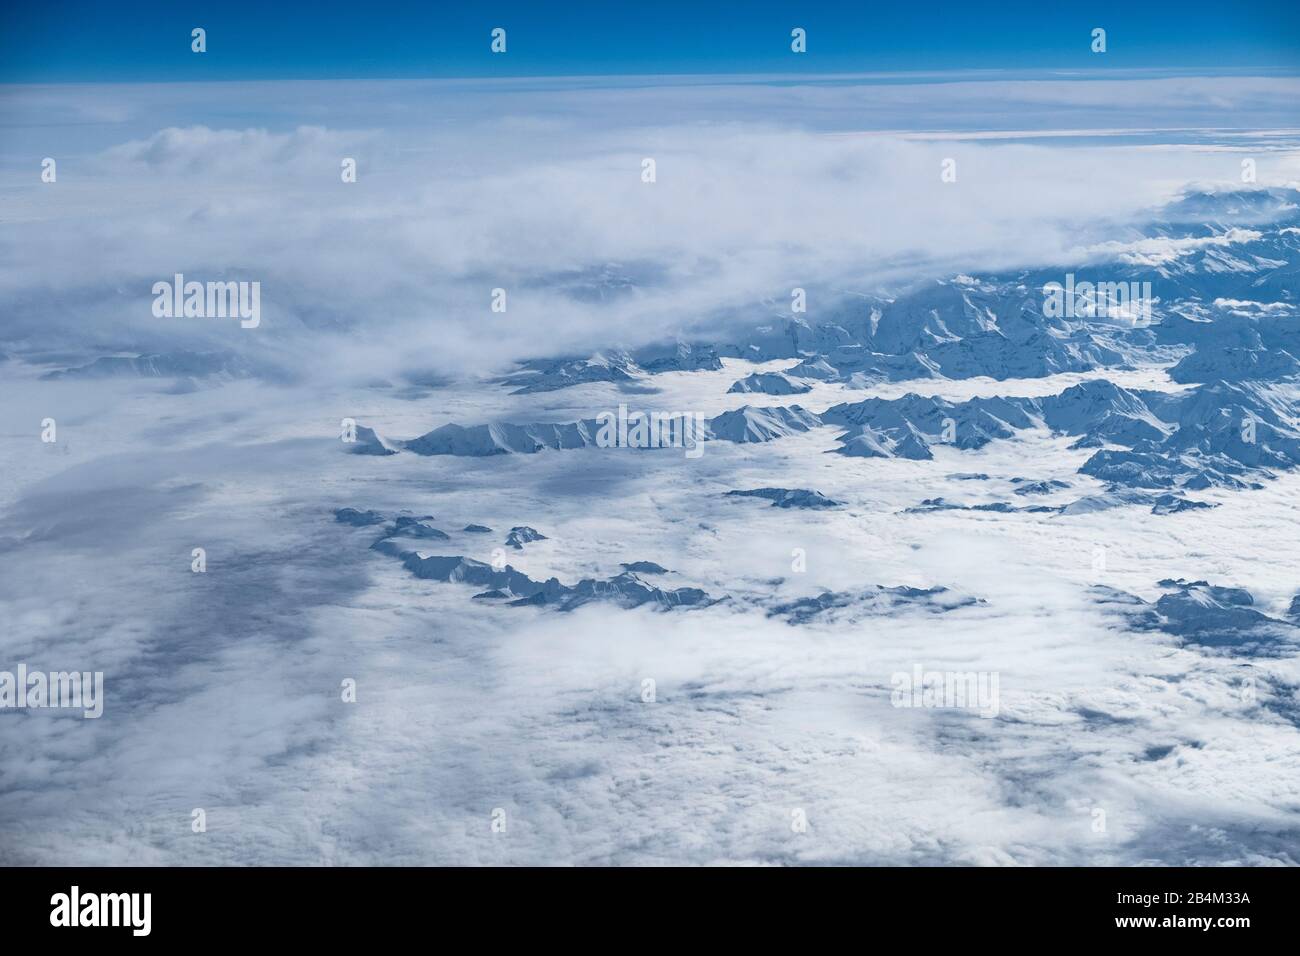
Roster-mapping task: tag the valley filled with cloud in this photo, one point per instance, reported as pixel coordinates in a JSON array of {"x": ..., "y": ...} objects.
[{"x": 451, "y": 610}]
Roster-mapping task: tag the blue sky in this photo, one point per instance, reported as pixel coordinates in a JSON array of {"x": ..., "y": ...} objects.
[{"x": 149, "y": 40}]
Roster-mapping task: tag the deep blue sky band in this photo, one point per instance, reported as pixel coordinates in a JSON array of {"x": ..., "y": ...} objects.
[{"x": 149, "y": 40}]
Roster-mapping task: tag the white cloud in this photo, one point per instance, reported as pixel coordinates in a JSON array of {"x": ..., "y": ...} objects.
[
  {"x": 494, "y": 189},
  {"x": 222, "y": 688},
  {"x": 1162, "y": 250}
]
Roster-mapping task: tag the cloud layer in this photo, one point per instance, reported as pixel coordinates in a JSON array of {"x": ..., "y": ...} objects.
[
  {"x": 223, "y": 688},
  {"x": 759, "y": 188}
]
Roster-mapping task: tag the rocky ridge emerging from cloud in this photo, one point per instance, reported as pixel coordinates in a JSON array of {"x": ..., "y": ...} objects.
[
  {"x": 1212, "y": 618},
  {"x": 1240, "y": 262},
  {"x": 1222, "y": 434},
  {"x": 506, "y": 583}
]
